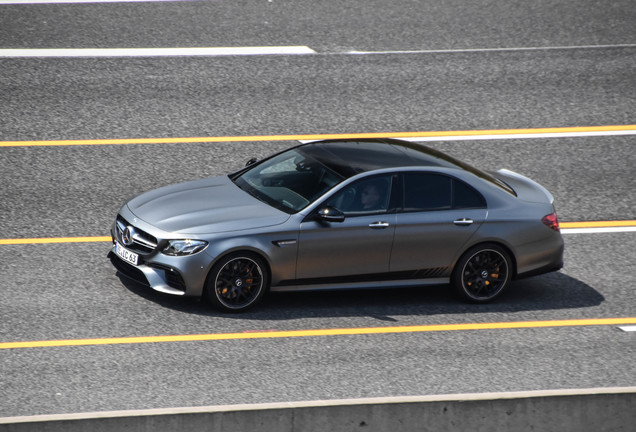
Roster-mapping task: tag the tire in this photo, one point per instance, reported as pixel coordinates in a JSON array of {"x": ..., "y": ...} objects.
[
  {"x": 482, "y": 273},
  {"x": 237, "y": 282}
]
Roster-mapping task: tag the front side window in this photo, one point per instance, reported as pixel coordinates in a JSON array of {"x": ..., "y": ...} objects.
[
  {"x": 366, "y": 196},
  {"x": 432, "y": 191}
]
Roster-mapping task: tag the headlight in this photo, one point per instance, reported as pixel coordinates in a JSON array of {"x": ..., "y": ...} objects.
[{"x": 184, "y": 247}]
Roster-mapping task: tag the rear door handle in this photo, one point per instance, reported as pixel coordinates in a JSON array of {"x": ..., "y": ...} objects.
[
  {"x": 379, "y": 225},
  {"x": 463, "y": 222}
]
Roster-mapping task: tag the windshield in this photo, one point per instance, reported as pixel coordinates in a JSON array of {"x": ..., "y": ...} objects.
[{"x": 289, "y": 181}]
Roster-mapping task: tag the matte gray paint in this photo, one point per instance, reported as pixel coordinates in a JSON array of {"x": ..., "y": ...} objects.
[{"x": 231, "y": 220}]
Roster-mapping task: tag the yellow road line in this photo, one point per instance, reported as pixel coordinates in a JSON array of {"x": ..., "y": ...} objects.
[
  {"x": 598, "y": 224},
  {"x": 310, "y": 137},
  {"x": 319, "y": 332},
  {"x": 96, "y": 239},
  {"x": 54, "y": 240}
]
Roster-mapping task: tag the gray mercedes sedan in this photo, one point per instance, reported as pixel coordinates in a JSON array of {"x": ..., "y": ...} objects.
[{"x": 339, "y": 214}]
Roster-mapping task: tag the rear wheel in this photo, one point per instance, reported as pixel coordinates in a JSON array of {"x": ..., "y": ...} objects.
[
  {"x": 237, "y": 282},
  {"x": 482, "y": 273}
]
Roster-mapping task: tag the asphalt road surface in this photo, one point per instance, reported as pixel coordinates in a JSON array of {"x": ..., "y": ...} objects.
[{"x": 370, "y": 66}]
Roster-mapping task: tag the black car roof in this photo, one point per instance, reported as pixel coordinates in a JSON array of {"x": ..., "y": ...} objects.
[{"x": 350, "y": 157}]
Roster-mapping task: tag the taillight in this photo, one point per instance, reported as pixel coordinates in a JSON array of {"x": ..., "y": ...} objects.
[{"x": 551, "y": 221}]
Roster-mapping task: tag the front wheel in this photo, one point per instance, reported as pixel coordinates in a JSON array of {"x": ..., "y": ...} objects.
[
  {"x": 482, "y": 273},
  {"x": 237, "y": 282}
]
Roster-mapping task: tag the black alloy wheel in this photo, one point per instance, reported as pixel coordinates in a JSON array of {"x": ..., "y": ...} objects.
[
  {"x": 482, "y": 273},
  {"x": 237, "y": 282}
]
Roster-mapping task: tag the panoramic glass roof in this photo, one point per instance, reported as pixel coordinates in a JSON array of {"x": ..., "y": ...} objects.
[
  {"x": 348, "y": 158},
  {"x": 351, "y": 157}
]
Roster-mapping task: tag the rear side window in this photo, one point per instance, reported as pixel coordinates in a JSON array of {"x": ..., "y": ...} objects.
[
  {"x": 430, "y": 191},
  {"x": 465, "y": 196},
  {"x": 423, "y": 191}
]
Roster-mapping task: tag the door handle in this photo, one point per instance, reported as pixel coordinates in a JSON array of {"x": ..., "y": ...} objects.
[
  {"x": 463, "y": 222},
  {"x": 379, "y": 225}
]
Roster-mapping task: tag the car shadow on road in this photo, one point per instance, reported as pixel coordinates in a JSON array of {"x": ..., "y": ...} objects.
[{"x": 540, "y": 293}]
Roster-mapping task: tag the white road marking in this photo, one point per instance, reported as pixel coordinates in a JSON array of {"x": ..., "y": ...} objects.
[
  {"x": 154, "y": 52},
  {"x": 597, "y": 230},
  {"x": 513, "y": 136},
  {"x": 628, "y": 328},
  {"x": 477, "y": 50},
  {"x": 523, "y": 136}
]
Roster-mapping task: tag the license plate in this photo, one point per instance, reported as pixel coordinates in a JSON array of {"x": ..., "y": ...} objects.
[{"x": 126, "y": 255}]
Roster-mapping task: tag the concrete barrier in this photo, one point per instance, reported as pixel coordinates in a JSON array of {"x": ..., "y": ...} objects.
[{"x": 594, "y": 410}]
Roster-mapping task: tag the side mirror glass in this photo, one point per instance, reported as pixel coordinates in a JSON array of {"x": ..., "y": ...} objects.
[{"x": 330, "y": 214}]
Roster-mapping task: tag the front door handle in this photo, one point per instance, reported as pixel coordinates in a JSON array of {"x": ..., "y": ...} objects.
[
  {"x": 463, "y": 222},
  {"x": 380, "y": 224}
]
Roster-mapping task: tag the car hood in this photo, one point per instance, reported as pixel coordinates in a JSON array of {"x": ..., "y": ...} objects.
[{"x": 204, "y": 206}]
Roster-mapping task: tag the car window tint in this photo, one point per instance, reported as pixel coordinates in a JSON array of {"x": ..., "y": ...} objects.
[
  {"x": 465, "y": 196},
  {"x": 426, "y": 191},
  {"x": 365, "y": 196}
]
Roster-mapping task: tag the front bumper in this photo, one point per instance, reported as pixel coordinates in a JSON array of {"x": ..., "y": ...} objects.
[
  {"x": 180, "y": 275},
  {"x": 167, "y": 280}
]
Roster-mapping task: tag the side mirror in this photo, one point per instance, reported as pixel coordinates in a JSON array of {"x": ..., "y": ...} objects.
[
  {"x": 251, "y": 162},
  {"x": 330, "y": 214}
]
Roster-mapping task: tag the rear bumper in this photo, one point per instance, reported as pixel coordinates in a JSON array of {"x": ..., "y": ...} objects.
[
  {"x": 541, "y": 270},
  {"x": 543, "y": 259}
]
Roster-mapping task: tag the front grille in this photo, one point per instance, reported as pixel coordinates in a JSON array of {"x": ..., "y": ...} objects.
[{"x": 143, "y": 242}]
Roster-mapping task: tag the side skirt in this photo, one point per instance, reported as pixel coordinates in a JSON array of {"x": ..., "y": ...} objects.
[{"x": 291, "y": 286}]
